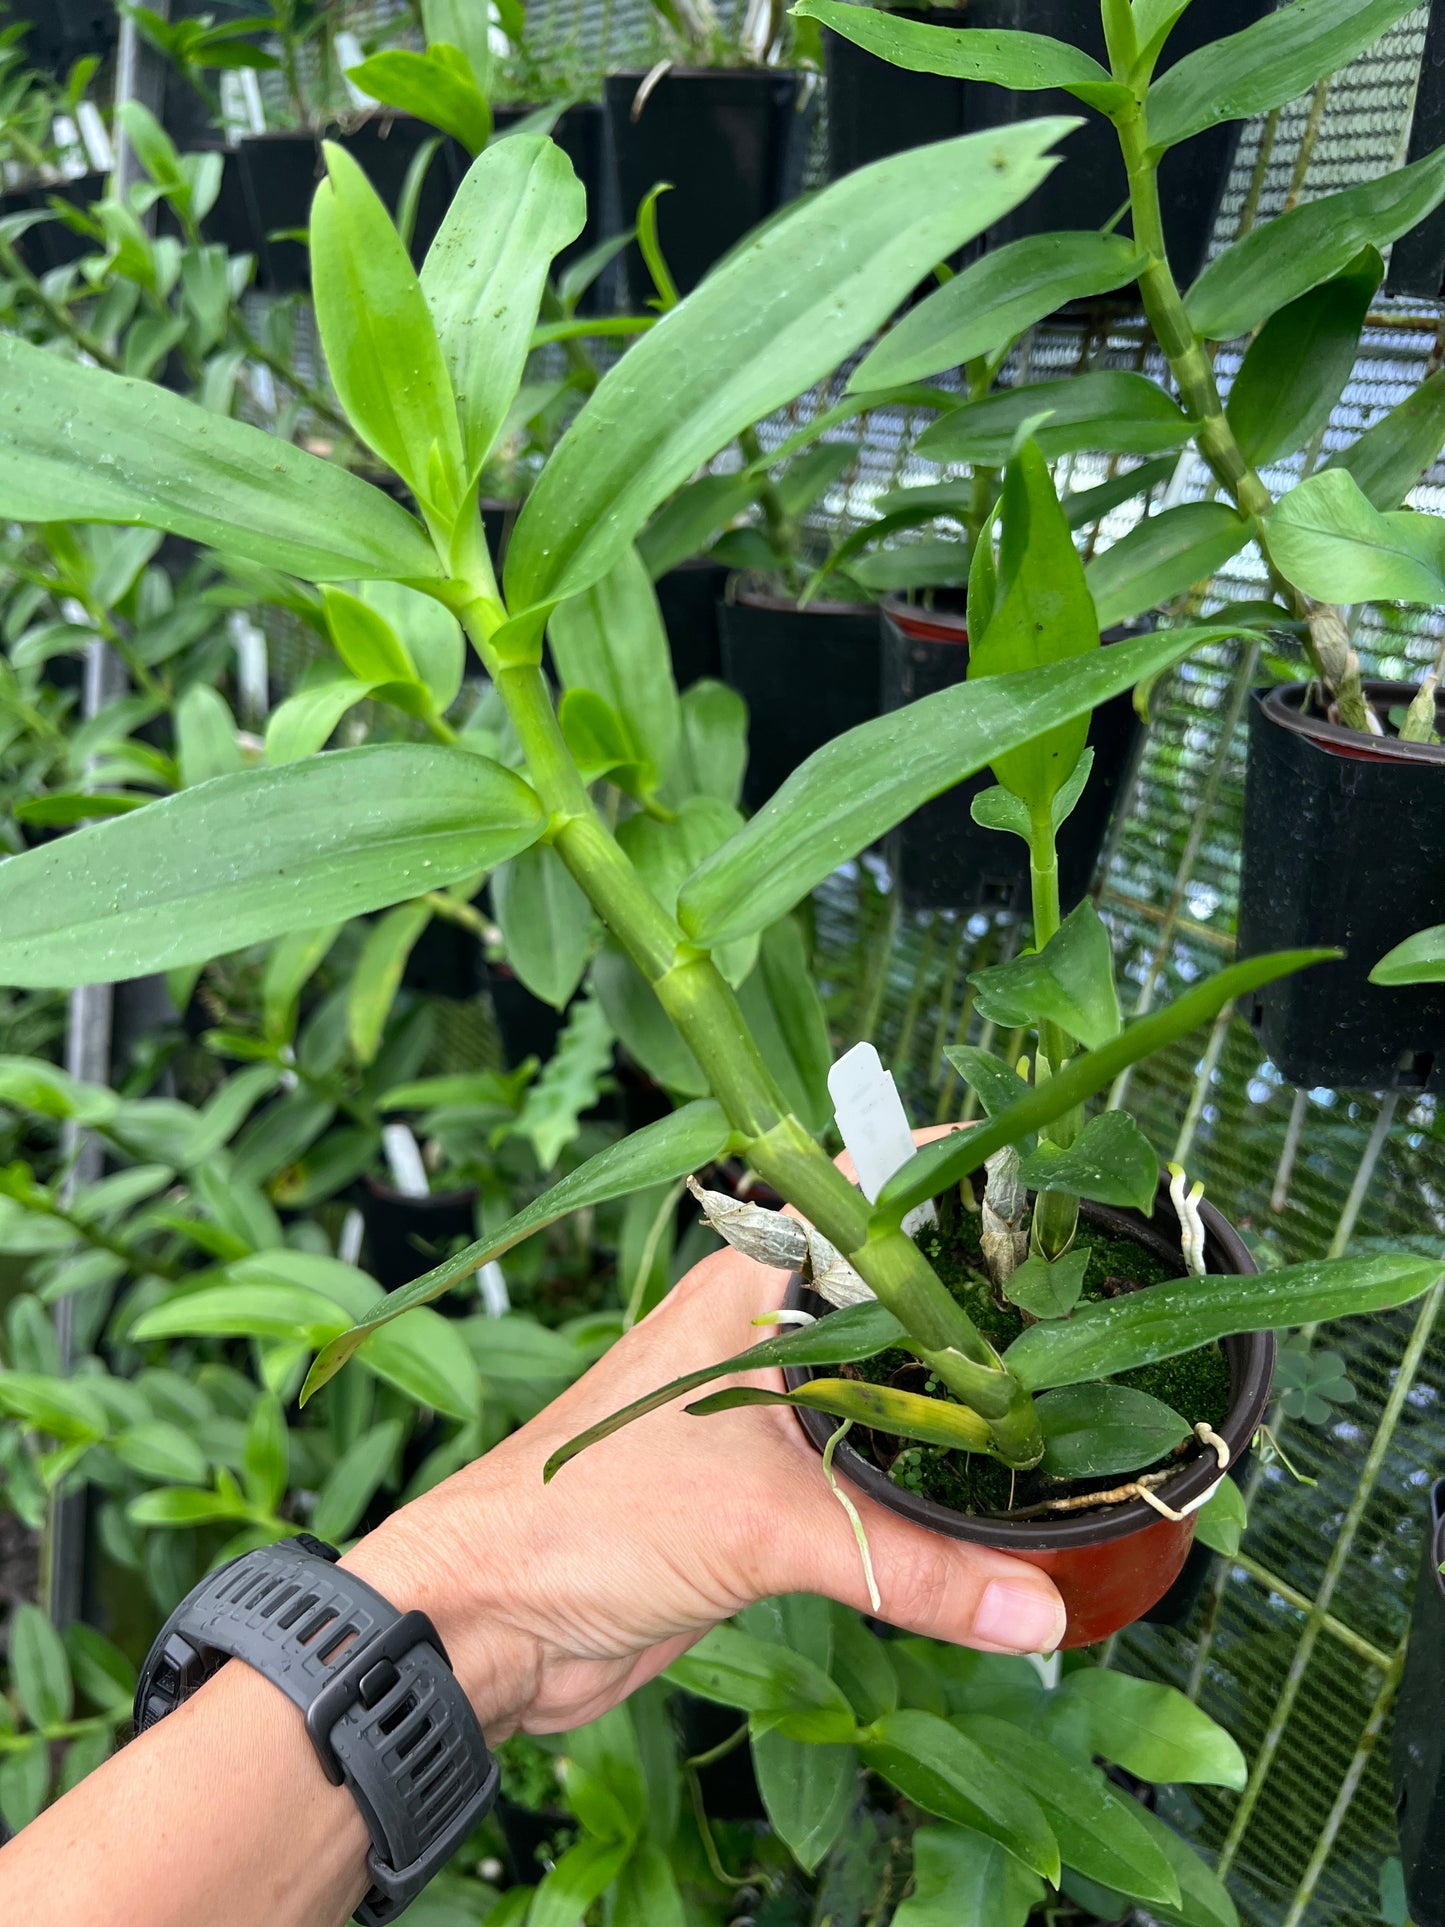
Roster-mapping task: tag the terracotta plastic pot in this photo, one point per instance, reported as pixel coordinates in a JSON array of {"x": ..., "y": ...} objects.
[
  {"x": 1110, "y": 1565},
  {"x": 940, "y": 856},
  {"x": 1341, "y": 832}
]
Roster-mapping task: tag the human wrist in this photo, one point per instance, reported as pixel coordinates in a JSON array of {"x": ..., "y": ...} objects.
[{"x": 428, "y": 1558}]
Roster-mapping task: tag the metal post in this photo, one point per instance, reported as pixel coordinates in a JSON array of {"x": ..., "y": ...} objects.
[{"x": 140, "y": 75}]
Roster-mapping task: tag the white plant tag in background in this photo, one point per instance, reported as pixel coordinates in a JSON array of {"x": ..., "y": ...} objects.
[
  {"x": 404, "y": 1161},
  {"x": 348, "y": 55},
  {"x": 873, "y": 1124}
]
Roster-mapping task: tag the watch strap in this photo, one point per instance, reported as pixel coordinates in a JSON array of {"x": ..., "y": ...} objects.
[{"x": 381, "y": 1704}]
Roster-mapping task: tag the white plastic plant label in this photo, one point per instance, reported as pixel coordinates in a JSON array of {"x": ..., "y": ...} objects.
[{"x": 873, "y": 1124}]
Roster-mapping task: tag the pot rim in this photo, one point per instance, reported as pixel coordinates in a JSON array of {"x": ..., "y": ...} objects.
[
  {"x": 675, "y": 72},
  {"x": 788, "y": 605},
  {"x": 925, "y": 625},
  {"x": 1251, "y": 1358},
  {"x": 1283, "y": 706},
  {"x": 433, "y": 1201}
]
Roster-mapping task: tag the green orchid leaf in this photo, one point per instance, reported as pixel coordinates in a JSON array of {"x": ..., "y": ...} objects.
[
  {"x": 1094, "y": 1431},
  {"x": 1070, "y": 982},
  {"x": 906, "y": 1415},
  {"x": 658, "y": 1154},
  {"x": 1022, "y": 62},
  {"x": 1221, "y": 1523},
  {"x": 1327, "y": 539},
  {"x": 518, "y": 207},
  {"x": 581, "y": 1876},
  {"x": 809, "y": 1793},
  {"x": 1047, "y": 1290},
  {"x": 998, "y": 1084},
  {"x": 1153, "y": 1731},
  {"x": 1110, "y": 1161},
  {"x": 80, "y": 445},
  {"x": 1093, "y": 1822},
  {"x": 936, "y": 1167},
  {"x": 993, "y": 300},
  {"x": 775, "y": 317},
  {"x": 961, "y": 1879},
  {"x": 1162, "y": 557},
  {"x": 1418, "y": 960},
  {"x": 1280, "y": 260},
  {"x": 1274, "y": 61},
  {"x": 1297, "y": 365},
  {"x": 610, "y": 641},
  {"x": 643, "y": 1027},
  {"x": 854, "y": 789},
  {"x": 381, "y": 344},
  {"x": 712, "y": 750},
  {"x": 781, "y": 1690},
  {"x": 249, "y": 857},
  {"x": 428, "y": 86},
  {"x": 305, "y": 721},
  {"x": 1394, "y": 453},
  {"x": 377, "y": 976},
  {"x": 1107, "y": 409},
  {"x": 547, "y": 924},
  {"x": 1183, "y": 1313},
  {"x": 784, "y": 1012},
  {"x": 40, "y": 1668},
  {"x": 940, "y": 1769},
  {"x": 1042, "y": 615},
  {"x": 842, "y": 1338}
]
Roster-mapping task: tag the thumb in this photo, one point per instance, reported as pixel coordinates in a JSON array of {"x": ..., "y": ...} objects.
[{"x": 942, "y": 1588}]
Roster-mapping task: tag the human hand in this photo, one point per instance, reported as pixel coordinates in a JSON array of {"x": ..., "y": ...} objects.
[{"x": 556, "y": 1601}]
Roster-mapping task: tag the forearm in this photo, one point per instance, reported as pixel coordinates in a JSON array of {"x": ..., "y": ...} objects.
[{"x": 221, "y": 1816}]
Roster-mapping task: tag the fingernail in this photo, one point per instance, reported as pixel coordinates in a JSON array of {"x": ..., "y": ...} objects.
[{"x": 1023, "y": 1618}]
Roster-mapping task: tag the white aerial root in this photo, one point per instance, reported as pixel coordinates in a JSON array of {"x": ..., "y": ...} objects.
[
  {"x": 1191, "y": 1226},
  {"x": 875, "y": 1598}
]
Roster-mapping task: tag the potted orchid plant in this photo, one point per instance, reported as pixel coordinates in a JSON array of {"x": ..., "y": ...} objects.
[{"x": 701, "y": 948}]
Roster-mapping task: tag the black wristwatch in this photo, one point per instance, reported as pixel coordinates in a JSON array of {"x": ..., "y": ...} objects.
[{"x": 376, "y": 1689}]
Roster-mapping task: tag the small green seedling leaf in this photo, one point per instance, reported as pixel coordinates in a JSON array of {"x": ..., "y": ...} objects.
[
  {"x": 1110, "y": 1161},
  {"x": 1047, "y": 1290},
  {"x": 1094, "y": 1431},
  {"x": 1069, "y": 982},
  {"x": 1221, "y": 1523}
]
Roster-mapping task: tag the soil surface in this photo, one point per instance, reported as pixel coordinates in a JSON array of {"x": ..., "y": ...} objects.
[{"x": 1196, "y": 1385}]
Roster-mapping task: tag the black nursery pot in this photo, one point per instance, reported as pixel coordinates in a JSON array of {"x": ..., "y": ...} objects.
[
  {"x": 1417, "y": 260},
  {"x": 1417, "y": 1752},
  {"x": 50, "y": 243},
  {"x": 1112, "y": 1564},
  {"x": 876, "y": 109},
  {"x": 732, "y": 143},
  {"x": 940, "y": 856},
  {"x": 689, "y": 596},
  {"x": 1341, "y": 839},
  {"x": 1090, "y": 185},
  {"x": 279, "y": 173},
  {"x": 406, "y": 1236},
  {"x": 527, "y": 1026},
  {"x": 805, "y": 674},
  {"x": 578, "y": 132}
]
